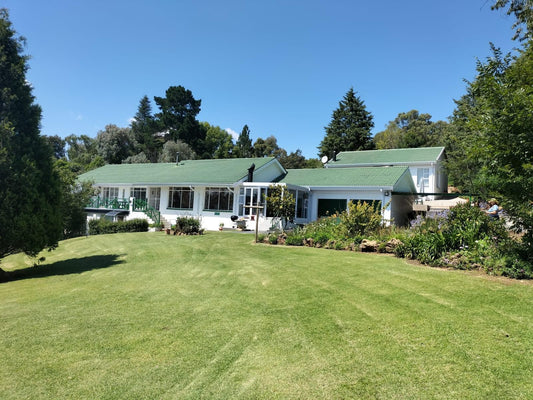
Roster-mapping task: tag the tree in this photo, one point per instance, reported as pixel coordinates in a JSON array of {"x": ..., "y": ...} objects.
[
  {"x": 523, "y": 11},
  {"x": 280, "y": 204},
  {"x": 178, "y": 114},
  {"x": 171, "y": 150},
  {"x": 139, "y": 158},
  {"x": 409, "y": 130},
  {"x": 349, "y": 128},
  {"x": 218, "y": 143},
  {"x": 268, "y": 148},
  {"x": 75, "y": 196},
  {"x": 243, "y": 147},
  {"x": 144, "y": 128},
  {"x": 82, "y": 153},
  {"x": 30, "y": 219},
  {"x": 57, "y": 144},
  {"x": 388, "y": 138},
  {"x": 114, "y": 144},
  {"x": 294, "y": 160},
  {"x": 494, "y": 121}
]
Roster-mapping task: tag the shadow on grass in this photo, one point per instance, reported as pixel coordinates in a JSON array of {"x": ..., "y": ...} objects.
[{"x": 66, "y": 267}]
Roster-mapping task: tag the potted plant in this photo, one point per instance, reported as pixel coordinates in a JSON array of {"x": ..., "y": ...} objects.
[{"x": 221, "y": 226}]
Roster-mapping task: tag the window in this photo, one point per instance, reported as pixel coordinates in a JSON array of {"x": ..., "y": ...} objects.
[
  {"x": 218, "y": 199},
  {"x": 181, "y": 197},
  {"x": 110, "y": 192},
  {"x": 139, "y": 193},
  {"x": 422, "y": 179},
  {"x": 251, "y": 196},
  {"x": 302, "y": 201}
]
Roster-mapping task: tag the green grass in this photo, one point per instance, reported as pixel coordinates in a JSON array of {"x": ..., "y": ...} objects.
[{"x": 145, "y": 316}]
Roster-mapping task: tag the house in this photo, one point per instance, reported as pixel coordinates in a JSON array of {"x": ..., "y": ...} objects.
[
  {"x": 425, "y": 165},
  {"x": 329, "y": 190},
  {"x": 214, "y": 191}
]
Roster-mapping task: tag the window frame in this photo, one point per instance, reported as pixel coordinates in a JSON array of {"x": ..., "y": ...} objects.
[
  {"x": 181, "y": 190},
  {"x": 215, "y": 195}
]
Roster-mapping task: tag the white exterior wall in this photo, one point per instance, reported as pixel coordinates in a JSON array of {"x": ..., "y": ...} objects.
[{"x": 350, "y": 195}]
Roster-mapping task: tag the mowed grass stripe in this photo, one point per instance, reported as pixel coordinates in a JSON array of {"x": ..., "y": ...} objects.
[{"x": 154, "y": 316}]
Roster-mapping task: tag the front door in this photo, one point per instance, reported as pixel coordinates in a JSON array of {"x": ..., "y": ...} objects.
[{"x": 155, "y": 198}]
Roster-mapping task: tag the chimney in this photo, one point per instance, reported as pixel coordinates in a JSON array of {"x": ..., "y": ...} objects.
[{"x": 251, "y": 173}]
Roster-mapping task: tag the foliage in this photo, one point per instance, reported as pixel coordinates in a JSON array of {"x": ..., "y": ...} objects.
[
  {"x": 465, "y": 238},
  {"x": 411, "y": 129},
  {"x": 104, "y": 226},
  {"x": 171, "y": 150},
  {"x": 494, "y": 121},
  {"x": 294, "y": 239},
  {"x": 139, "y": 158},
  {"x": 321, "y": 231},
  {"x": 114, "y": 144},
  {"x": 280, "y": 204},
  {"x": 75, "y": 196},
  {"x": 177, "y": 116},
  {"x": 144, "y": 128},
  {"x": 523, "y": 11},
  {"x": 30, "y": 218},
  {"x": 188, "y": 225},
  {"x": 218, "y": 142},
  {"x": 268, "y": 148},
  {"x": 243, "y": 147},
  {"x": 58, "y": 146},
  {"x": 294, "y": 160},
  {"x": 349, "y": 128},
  {"x": 82, "y": 153},
  {"x": 361, "y": 218}
]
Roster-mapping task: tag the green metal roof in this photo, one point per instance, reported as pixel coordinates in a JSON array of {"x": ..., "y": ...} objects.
[
  {"x": 387, "y": 157},
  {"x": 345, "y": 177},
  {"x": 220, "y": 171}
]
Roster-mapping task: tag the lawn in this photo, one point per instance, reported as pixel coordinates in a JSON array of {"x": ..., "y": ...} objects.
[{"x": 151, "y": 316}]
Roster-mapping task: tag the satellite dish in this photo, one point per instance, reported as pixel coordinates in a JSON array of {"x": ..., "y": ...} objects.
[{"x": 324, "y": 159}]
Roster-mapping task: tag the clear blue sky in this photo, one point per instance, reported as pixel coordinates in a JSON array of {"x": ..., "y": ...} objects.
[{"x": 281, "y": 67}]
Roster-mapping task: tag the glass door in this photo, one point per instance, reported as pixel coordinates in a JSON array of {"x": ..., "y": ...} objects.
[{"x": 155, "y": 198}]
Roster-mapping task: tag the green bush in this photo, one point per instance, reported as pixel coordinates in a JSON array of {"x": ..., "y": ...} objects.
[
  {"x": 294, "y": 240},
  {"x": 103, "y": 226},
  {"x": 273, "y": 238},
  {"x": 426, "y": 248},
  {"x": 361, "y": 218},
  {"x": 188, "y": 225}
]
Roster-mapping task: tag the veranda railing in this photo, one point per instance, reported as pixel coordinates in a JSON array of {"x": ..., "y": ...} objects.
[
  {"x": 115, "y": 203},
  {"x": 142, "y": 205}
]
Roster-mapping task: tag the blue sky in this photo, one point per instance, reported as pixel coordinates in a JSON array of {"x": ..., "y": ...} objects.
[{"x": 281, "y": 67}]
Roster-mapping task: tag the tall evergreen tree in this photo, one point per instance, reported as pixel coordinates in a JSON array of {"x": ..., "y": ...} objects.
[
  {"x": 144, "y": 128},
  {"x": 243, "y": 147},
  {"x": 178, "y": 114},
  {"x": 30, "y": 218},
  {"x": 349, "y": 128}
]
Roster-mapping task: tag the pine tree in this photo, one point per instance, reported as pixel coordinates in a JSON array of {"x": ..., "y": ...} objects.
[
  {"x": 243, "y": 147},
  {"x": 30, "y": 218},
  {"x": 144, "y": 128},
  {"x": 349, "y": 128}
]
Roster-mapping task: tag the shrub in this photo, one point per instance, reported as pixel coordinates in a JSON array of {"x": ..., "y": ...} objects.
[
  {"x": 188, "y": 225},
  {"x": 103, "y": 226},
  {"x": 361, "y": 218},
  {"x": 294, "y": 240},
  {"x": 273, "y": 238}
]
